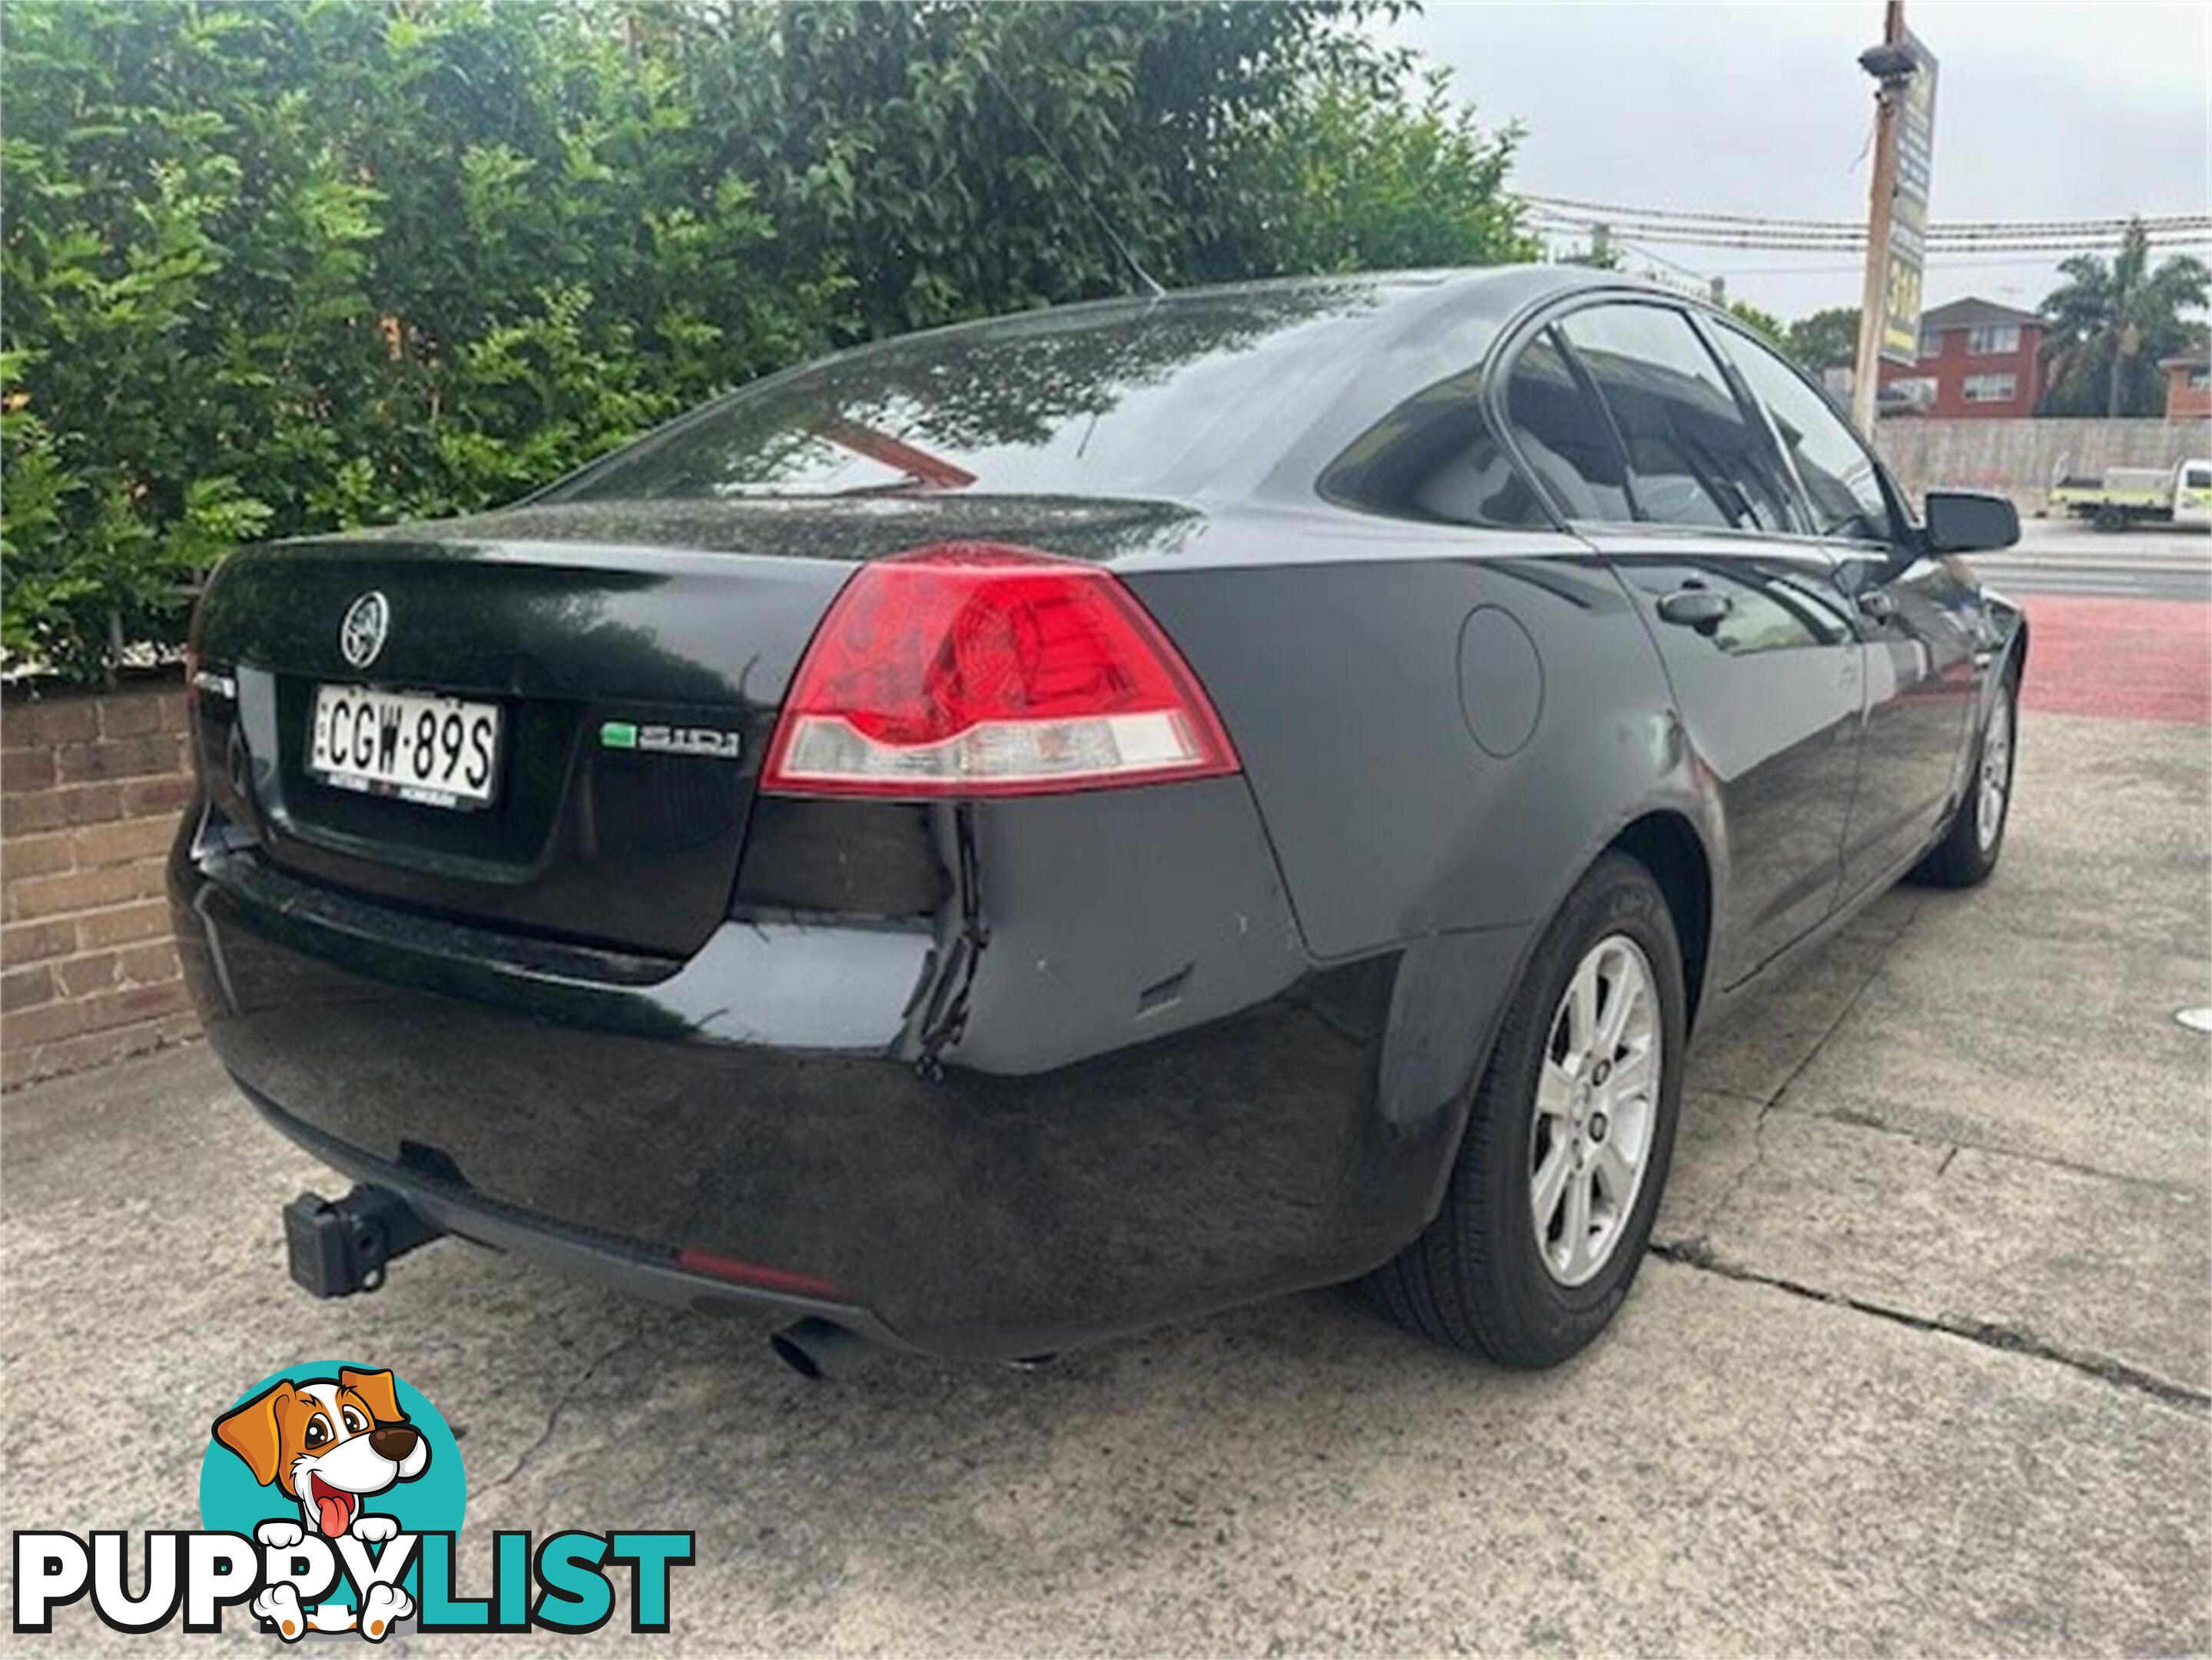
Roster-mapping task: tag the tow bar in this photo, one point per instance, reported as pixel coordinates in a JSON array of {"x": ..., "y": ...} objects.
[{"x": 336, "y": 1249}]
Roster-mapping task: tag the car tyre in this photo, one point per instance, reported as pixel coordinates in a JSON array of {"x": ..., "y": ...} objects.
[
  {"x": 1970, "y": 849},
  {"x": 1481, "y": 1278}
]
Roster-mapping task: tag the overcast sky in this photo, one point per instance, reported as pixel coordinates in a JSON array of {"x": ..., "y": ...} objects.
[{"x": 2072, "y": 111}]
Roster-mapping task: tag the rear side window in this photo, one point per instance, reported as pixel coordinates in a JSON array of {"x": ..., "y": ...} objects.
[
  {"x": 2198, "y": 479},
  {"x": 1562, "y": 434},
  {"x": 1435, "y": 458},
  {"x": 1693, "y": 457},
  {"x": 1842, "y": 488}
]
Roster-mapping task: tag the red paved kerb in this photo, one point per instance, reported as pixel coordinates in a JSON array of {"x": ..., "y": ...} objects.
[{"x": 2129, "y": 660}]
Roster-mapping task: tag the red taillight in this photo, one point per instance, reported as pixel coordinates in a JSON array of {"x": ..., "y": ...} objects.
[{"x": 977, "y": 669}]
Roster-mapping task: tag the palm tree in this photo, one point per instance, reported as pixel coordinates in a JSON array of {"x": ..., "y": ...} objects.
[{"x": 2111, "y": 324}]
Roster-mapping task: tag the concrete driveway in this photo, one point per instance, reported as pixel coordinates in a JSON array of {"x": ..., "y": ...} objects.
[{"x": 1921, "y": 1365}]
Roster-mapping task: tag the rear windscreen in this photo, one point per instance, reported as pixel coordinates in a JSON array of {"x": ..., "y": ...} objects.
[{"x": 1098, "y": 398}]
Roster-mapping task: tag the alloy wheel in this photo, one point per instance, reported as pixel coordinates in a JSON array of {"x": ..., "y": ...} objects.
[
  {"x": 1597, "y": 1102},
  {"x": 1996, "y": 775}
]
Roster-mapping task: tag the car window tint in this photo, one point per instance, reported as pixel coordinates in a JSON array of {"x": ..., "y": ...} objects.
[
  {"x": 1693, "y": 459},
  {"x": 1562, "y": 434},
  {"x": 1092, "y": 398},
  {"x": 1435, "y": 457},
  {"x": 1843, "y": 489}
]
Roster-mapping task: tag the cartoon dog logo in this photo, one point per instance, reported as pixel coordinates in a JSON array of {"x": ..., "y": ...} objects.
[{"x": 329, "y": 1444}]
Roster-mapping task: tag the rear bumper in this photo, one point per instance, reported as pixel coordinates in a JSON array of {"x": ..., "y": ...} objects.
[
  {"x": 1065, "y": 1108},
  {"x": 639, "y": 1270}
]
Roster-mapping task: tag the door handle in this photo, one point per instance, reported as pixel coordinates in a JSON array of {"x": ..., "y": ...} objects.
[
  {"x": 1877, "y": 605},
  {"x": 1696, "y": 608}
]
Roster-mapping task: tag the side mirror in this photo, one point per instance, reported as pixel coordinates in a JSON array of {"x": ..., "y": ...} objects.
[{"x": 1970, "y": 521}]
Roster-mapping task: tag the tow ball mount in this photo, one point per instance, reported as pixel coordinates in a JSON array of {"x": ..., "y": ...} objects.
[{"x": 337, "y": 1249}]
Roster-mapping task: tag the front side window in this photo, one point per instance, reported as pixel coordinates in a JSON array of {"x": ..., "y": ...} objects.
[
  {"x": 1991, "y": 388},
  {"x": 1842, "y": 486},
  {"x": 1693, "y": 457}
]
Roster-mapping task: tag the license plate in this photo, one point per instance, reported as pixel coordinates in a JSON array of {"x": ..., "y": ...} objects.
[{"x": 420, "y": 747}]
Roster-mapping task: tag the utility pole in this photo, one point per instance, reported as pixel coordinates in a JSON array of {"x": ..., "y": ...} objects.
[{"x": 1881, "y": 195}]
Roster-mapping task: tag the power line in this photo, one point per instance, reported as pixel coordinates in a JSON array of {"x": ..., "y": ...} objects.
[
  {"x": 1734, "y": 270},
  {"x": 1675, "y": 228},
  {"x": 1777, "y": 245},
  {"x": 1702, "y": 278},
  {"x": 1845, "y": 241},
  {"x": 1677, "y": 218},
  {"x": 1987, "y": 261},
  {"x": 1987, "y": 243}
]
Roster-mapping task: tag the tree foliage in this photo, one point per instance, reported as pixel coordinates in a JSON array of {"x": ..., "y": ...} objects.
[
  {"x": 1352, "y": 177},
  {"x": 1763, "y": 323},
  {"x": 1824, "y": 339},
  {"x": 283, "y": 268},
  {"x": 2111, "y": 322}
]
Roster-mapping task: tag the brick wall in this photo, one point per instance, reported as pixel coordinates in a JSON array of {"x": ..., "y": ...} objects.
[{"x": 90, "y": 788}]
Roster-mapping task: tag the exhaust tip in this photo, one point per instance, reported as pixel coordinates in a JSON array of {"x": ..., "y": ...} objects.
[{"x": 818, "y": 1349}]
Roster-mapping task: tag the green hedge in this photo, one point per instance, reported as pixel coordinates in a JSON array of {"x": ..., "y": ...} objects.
[{"x": 283, "y": 268}]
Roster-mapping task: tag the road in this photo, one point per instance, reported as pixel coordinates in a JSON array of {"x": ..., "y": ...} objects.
[
  {"x": 2061, "y": 557},
  {"x": 1922, "y": 1364}
]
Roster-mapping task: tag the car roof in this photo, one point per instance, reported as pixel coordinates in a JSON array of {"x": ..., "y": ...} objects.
[{"x": 1390, "y": 292}]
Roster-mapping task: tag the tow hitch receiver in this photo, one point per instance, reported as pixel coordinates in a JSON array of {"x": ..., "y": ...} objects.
[{"x": 336, "y": 1249}]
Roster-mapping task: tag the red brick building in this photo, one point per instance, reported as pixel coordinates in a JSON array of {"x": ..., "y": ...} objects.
[
  {"x": 1977, "y": 358},
  {"x": 2188, "y": 387}
]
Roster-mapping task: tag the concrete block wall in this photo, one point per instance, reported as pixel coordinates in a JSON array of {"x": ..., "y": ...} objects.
[
  {"x": 90, "y": 788},
  {"x": 2019, "y": 458}
]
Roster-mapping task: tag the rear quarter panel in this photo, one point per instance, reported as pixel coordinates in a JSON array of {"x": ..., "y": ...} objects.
[
  {"x": 1424, "y": 800},
  {"x": 1442, "y": 726}
]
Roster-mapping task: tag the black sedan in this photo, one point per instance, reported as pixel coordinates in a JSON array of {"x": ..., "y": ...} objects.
[{"x": 1015, "y": 833}]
